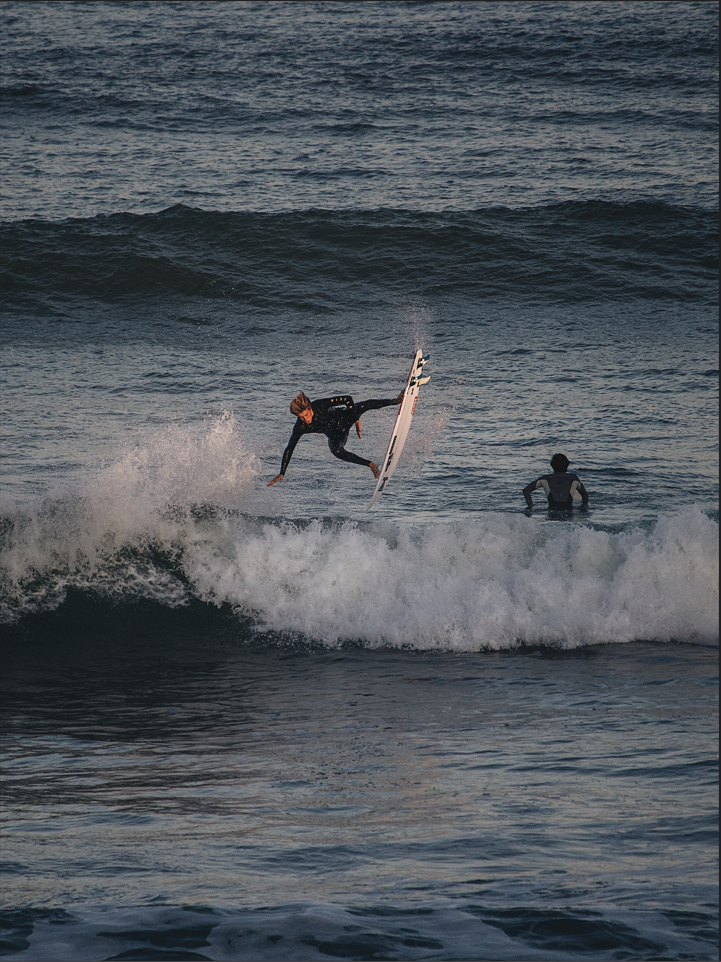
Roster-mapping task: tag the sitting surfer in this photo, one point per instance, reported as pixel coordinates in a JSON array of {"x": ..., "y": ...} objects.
[
  {"x": 559, "y": 487},
  {"x": 334, "y": 417}
]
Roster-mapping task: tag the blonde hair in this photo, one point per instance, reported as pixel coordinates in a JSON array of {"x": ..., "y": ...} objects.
[{"x": 301, "y": 402}]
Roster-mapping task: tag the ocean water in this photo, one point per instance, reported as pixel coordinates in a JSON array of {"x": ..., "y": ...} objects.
[{"x": 242, "y": 722}]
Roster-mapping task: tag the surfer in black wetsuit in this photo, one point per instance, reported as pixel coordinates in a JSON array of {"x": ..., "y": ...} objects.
[
  {"x": 559, "y": 487},
  {"x": 334, "y": 417}
]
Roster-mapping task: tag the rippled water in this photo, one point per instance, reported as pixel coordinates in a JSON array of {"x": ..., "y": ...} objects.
[
  {"x": 258, "y": 107},
  {"x": 456, "y": 806}
]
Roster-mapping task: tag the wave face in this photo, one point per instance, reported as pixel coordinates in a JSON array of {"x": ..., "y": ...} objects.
[
  {"x": 310, "y": 261},
  {"x": 143, "y": 531}
]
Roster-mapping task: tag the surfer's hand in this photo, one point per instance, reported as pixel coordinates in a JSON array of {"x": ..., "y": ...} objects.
[
  {"x": 358, "y": 429},
  {"x": 400, "y": 397},
  {"x": 276, "y": 479},
  {"x": 376, "y": 470}
]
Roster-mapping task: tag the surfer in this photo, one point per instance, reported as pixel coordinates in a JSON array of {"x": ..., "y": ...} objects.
[
  {"x": 559, "y": 487},
  {"x": 334, "y": 417}
]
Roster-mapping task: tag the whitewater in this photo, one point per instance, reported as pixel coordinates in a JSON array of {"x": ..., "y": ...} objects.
[{"x": 143, "y": 528}]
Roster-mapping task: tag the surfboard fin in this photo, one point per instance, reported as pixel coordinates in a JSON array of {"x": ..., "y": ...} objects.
[{"x": 423, "y": 380}]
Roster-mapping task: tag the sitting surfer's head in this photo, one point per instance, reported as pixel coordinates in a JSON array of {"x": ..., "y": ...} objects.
[
  {"x": 301, "y": 407},
  {"x": 559, "y": 463}
]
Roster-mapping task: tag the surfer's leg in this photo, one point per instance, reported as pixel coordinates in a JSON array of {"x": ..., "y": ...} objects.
[
  {"x": 338, "y": 450},
  {"x": 372, "y": 405}
]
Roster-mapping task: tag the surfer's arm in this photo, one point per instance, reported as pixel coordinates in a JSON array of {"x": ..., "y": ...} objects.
[
  {"x": 582, "y": 491},
  {"x": 529, "y": 489},
  {"x": 288, "y": 453}
]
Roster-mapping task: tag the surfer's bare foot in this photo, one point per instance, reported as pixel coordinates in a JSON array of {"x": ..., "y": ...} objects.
[{"x": 376, "y": 470}]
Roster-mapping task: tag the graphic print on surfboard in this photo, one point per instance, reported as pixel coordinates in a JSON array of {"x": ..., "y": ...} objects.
[{"x": 403, "y": 422}]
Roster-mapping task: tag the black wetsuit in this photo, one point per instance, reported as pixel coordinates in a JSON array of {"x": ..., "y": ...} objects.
[
  {"x": 334, "y": 417},
  {"x": 559, "y": 488}
]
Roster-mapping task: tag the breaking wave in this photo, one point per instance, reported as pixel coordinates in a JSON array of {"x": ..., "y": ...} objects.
[{"x": 169, "y": 522}]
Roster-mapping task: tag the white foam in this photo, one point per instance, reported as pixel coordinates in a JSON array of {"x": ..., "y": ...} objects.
[{"x": 490, "y": 583}]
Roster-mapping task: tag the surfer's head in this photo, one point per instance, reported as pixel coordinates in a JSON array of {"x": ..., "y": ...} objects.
[
  {"x": 301, "y": 407},
  {"x": 559, "y": 463}
]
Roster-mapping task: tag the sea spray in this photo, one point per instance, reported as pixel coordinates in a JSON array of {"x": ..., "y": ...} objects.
[{"x": 122, "y": 530}]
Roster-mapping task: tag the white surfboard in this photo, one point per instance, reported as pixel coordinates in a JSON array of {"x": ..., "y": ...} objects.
[{"x": 403, "y": 423}]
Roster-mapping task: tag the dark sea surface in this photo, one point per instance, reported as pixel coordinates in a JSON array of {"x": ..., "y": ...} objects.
[{"x": 242, "y": 722}]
